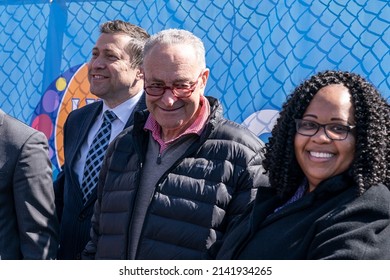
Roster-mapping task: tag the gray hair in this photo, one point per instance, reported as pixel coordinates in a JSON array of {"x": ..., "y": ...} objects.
[{"x": 178, "y": 37}]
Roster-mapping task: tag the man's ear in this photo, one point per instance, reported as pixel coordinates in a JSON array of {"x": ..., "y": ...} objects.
[
  {"x": 140, "y": 74},
  {"x": 205, "y": 77}
]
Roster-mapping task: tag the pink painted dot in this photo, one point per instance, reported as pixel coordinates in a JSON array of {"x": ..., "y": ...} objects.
[{"x": 44, "y": 124}]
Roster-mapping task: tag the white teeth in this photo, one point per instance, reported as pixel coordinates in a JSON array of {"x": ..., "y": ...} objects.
[
  {"x": 98, "y": 77},
  {"x": 321, "y": 155}
]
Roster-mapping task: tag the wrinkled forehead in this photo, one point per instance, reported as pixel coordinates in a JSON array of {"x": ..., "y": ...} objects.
[{"x": 171, "y": 62}]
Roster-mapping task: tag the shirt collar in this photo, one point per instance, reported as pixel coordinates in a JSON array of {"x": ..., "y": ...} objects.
[
  {"x": 299, "y": 193},
  {"x": 123, "y": 110},
  {"x": 195, "y": 128}
]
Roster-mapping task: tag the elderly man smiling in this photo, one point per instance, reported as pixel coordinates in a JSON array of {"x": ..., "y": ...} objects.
[{"x": 170, "y": 185}]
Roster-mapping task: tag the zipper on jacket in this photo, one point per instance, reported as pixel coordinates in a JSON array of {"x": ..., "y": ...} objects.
[{"x": 158, "y": 161}]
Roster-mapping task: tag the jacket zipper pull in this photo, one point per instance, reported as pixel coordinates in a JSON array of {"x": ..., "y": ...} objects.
[{"x": 158, "y": 161}]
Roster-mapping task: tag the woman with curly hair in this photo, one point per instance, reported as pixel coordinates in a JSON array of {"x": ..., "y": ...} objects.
[{"x": 328, "y": 166}]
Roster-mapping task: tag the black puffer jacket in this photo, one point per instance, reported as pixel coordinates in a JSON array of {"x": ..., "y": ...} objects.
[{"x": 193, "y": 202}]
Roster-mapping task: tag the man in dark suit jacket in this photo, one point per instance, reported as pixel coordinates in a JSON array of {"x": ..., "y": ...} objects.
[
  {"x": 28, "y": 222},
  {"x": 115, "y": 77}
]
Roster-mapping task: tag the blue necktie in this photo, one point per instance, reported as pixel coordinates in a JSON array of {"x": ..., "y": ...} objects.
[{"x": 95, "y": 155}]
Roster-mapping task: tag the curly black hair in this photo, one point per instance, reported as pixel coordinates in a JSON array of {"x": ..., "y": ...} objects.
[{"x": 372, "y": 117}]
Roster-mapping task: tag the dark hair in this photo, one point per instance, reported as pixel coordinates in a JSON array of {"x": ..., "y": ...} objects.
[
  {"x": 138, "y": 35},
  {"x": 372, "y": 118}
]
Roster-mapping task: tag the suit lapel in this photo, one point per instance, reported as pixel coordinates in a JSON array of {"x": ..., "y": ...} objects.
[
  {"x": 80, "y": 126},
  {"x": 141, "y": 105}
]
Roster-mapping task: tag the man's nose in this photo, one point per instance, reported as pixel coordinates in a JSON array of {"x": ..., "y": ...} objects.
[{"x": 168, "y": 97}]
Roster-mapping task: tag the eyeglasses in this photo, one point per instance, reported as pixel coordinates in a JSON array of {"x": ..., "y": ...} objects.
[
  {"x": 333, "y": 131},
  {"x": 180, "y": 91}
]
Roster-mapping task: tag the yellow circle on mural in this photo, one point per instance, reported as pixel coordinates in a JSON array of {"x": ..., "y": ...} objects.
[
  {"x": 76, "y": 96},
  {"x": 61, "y": 84}
]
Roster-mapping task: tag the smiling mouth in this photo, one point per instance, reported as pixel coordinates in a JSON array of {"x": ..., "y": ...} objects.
[
  {"x": 321, "y": 154},
  {"x": 98, "y": 77},
  {"x": 171, "y": 109}
]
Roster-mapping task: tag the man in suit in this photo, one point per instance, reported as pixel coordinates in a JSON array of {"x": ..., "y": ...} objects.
[
  {"x": 116, "y": 78},
  {"x": 28, "y": 222}
]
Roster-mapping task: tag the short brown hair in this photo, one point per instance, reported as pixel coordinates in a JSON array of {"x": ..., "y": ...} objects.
[{"x": 138, "y": 35}]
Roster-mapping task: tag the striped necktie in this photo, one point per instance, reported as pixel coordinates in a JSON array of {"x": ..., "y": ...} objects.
[{"x": 95, "y": 155}]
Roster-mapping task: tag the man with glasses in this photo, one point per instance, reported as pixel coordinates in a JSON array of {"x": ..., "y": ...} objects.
[{"x": 170, "y": 185}]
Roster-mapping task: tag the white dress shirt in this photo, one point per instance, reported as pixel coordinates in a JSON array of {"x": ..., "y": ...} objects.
[{"x": 123, "y": 112}]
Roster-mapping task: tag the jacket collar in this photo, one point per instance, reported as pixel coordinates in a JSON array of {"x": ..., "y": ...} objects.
[
  {"x": 140, "y": 136},
  {"x": 334, "y": 185},
  {"x": 267, "y": 199},
  {"x": 2, "y": 114},
  {"x": 216, "y": 113}
]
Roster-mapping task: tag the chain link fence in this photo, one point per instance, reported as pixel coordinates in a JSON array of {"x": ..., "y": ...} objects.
[{"x": 257, "y": 51}]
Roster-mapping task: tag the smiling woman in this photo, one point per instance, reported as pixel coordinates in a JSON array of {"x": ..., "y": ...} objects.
[
  {"x": 328, "y": 165},
  {"x": 323, "y": 153}
]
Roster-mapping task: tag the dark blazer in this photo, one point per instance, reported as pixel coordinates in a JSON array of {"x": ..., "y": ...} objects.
[
  {"x": 28, "y": 222},
  {"x": 332, "y": 222},
  {"x": 75, "y": 217}
]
